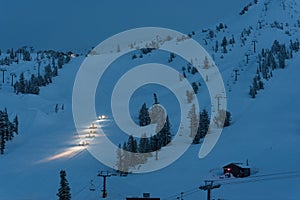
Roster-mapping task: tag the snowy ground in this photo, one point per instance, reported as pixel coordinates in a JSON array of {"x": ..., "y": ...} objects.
[{"x": 265, "y": 130}]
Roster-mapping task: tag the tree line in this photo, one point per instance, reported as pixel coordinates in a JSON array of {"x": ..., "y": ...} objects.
[
  {"x": 136, "y": 151},
  {"x": 270, "y": 60},
  {"x": 32, "y": 85}
]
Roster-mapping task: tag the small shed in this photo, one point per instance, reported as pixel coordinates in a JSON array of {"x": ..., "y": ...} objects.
[{"x": 237, "y": 169}]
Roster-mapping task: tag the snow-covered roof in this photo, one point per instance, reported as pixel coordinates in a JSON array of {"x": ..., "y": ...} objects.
[{"x": 241, "y": 165}]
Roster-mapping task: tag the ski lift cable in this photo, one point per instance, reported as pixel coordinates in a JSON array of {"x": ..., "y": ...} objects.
[
  {"x": 258, "y": 178},
  {"x": 263, "y": 175},
  {"x": 178, "y": 194},
  {"x": 79, "y": 191},
  {"x": 263, "y": 179}
]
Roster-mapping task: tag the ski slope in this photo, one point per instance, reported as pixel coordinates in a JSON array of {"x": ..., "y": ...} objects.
[{"x": 264, "y": 130}]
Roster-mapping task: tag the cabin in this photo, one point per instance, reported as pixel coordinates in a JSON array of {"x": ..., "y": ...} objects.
[
  {"x": 146, "y": 196},
  {"x": 237, "y": 170}
]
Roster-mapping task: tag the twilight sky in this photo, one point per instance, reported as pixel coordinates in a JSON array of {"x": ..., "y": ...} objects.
[{"x": 69, "y": 24}]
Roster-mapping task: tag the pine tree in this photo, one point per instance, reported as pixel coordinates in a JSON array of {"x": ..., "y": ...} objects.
[
  {"x": 60, "y": 61},
  {"x": 157, "y": 115},
  {"x": 206, "y": 63},
  {"x": 232, "y": 40},
  {"x": 55, "y": 71},
  {"x": 252, "y": 92},
  {"x": 154, "y": 143},
  {"x": 165, "y": 134},
  {"x": 120, "y": 158},
  {"x": 216, "y": 46},
  {"x": 132, "y": 147},
  {"x": 255, "y": 84},
  {"x": 21, "y": 84},
  {"x": 64, "y": 190},
  {"x": 48, "y": 74},
  {"x": 195, "y": 87},
  {"x": 227, "y": 121},
  {"x": 7, "y": 126},
  {"x": 203, "y": 127},
  {"x": 67, "y": 60},
  {"x": 7, "y": 129},
  {"x": 144, "y": 144},
  {"x": 2, "y": 141},
  {"x": 144, "y": 117},
  {"x": 2, "y": 133},
  {"x": 281, "y": 60},
  {"x": 125, "y": 158},
  {"x": 12, "y": 54},
  {"x": 204, "y": 123},
  {"x": 193, "y": 121},
  {"x": 155, "y": 99},
  {"x": 224, "y": 44},
  {"x": 144, "y": 148},
  {"x": 26, "y": 56},
  {"x": 189, "y": 96}
]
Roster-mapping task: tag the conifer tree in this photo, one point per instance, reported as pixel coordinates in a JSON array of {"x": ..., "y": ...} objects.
[
  {"x": 2, "y": 141},
  {"x": 227, "y": 121},
  {"x": 126, "y": 159},
  {"x": 165, "y": 134},
  {"x": 16, "y": 124},
  {"x": 21, "y": 84},
  {"x": 203, "y": 127},
  {"x": 132, "y": 147},
  {"x": 120, "y": 159},
  {"x": 144, "y": 117},
  {"x": 64, "y": 190},
  {"x": 224, "y": 44},
  {"x": 193, "y": 121}
]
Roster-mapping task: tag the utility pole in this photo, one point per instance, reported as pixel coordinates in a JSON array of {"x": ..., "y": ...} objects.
[
  {"x": 219, "y": 97},
  {"x": 254, "y": 45},
  {"x": 105, "y": 174},
  {"x": 236, "y": 70},
  {"x": 13, "y": 75},
  {"x": 208, "y": 187},
  {"x": 247, "y": 58},
  {"x": 3, "y": 70},
  {"x": 181, "y": 196}
]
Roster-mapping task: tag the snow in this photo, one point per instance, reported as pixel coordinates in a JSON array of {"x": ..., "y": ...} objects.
[{"x": 265, "y": 130}]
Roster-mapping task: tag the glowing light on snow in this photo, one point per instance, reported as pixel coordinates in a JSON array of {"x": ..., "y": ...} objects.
[{"x": 68, "y": 153}]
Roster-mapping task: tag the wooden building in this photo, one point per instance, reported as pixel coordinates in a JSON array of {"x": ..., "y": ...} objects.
[{"x": 237, "y": 170}]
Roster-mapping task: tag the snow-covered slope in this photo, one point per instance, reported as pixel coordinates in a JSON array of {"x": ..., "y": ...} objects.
[{"x": 265, "y": 130}]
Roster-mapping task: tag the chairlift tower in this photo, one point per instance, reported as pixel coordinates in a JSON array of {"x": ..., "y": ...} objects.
[
  {"x": 208, "y": 187},
  {"x": 104, "y": 175},
  {"x": 3, "y": 71}
]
